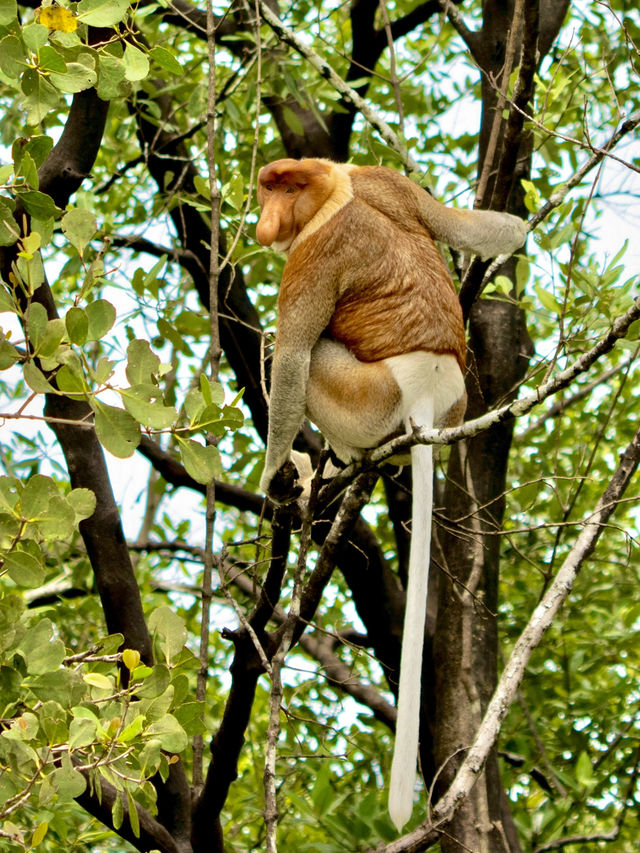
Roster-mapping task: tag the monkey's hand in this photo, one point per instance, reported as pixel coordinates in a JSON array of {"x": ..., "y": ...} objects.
[{"x": 284, "y": 487}]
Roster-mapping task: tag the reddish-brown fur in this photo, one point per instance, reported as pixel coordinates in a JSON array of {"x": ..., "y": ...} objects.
[{"x": 391, "y": 289}]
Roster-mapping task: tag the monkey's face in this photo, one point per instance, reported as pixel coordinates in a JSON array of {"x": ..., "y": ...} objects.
[{"x": 290, "y": 192}]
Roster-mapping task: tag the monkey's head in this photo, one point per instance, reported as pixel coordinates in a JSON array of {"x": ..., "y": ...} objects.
[{"x": 290, "y": 193}]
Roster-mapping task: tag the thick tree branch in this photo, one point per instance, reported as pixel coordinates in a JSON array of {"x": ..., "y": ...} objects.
[
  {"x": 173, "y": 170},
  {"x": 323, "y": 68},
  {"x": 69, "y": 162},
  {"x": 153, "y": 835}
]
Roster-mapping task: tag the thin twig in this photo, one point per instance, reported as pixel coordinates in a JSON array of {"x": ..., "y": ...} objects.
[
  {"x": 214, "y": 354},
  {"x": 275, "y": 700}
]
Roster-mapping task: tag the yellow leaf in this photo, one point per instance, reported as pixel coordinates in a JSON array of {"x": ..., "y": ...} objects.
[
  {"x": 39, "y": 833},
  {"x": 58, "y": 18},
  {"x": 130, "y": 658}
]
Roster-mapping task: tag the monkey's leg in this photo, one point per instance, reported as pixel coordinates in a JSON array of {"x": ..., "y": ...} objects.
[{"x": 355, "y": 404}]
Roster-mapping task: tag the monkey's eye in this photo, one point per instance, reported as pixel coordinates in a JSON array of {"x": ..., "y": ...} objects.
[{"x": 268, "y": 187}]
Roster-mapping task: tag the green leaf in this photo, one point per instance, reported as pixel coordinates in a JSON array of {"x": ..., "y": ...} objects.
[
  {"x": 35, "y": 36},
  {"x": 9, "y": 231},
  {"x": 170, "y": 733},
  {"x": 42, "y": 652},
  {"x": 29, "y": 172},
  {"x": 97, "y": 679},
  {"x": 79, "y": 75},
  {"x": 38, "y": 204},
  {"x": 111, "y": 77},
  {"x": 36, "y": 495},
  {"x": 50, "y": 60},
  {"x": 142, "y": 363},
  {"x": 10, "y": 493},
  {"x": 149, "y": 413},
  {"x": 82, "y": 732},
  {"x": 103, "y": 370},
  {"x": 134, "y": 820},
  {"x": 71, "y": 381},
  {"x": 170, "y": 628},
  {"x": 136, "y": 63},
  {"x": 13, "y": 57},
  {"x": 101, "y": 316},
  {"x": 584, "y": 770},
  {"x": 132, "y": 730},
  {"x": 83, "y": 503},
  {"x": 41, "y": 96},
  {"x": 117, "y": 812},
  {"x": 159, "y": 706},
  {"x": 53, "y": 334},
  {"x": 24, "y": 569},
  {"x": 117, "y": 431},
  {"x": 39, "y": 148},
  {"x": 68, "y": 781},
  {"x": 212, "y": 391},
  {"x": 292, "y": 121},
  {"x": 8, "y": 11},
  {"x": 77, "y": 324},
  {"x": 102, "y": 13},
  {"x": 7, "y": 302},
  {"x": 79, "y": 226},
  {"x": 547, "y": 300},
  {"x": 41, "y": 830},
  {"x": 155, "y": 683},
  {"x": 35, "y": 378},
  {"x": 58, "y": 521},
  {"x": 166, "y": 60},
  {"x": 202, "y": 463}
]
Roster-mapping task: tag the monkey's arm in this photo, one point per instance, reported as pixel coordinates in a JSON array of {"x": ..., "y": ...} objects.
[
  {"x": 487, "y": 233},
  {"x": 289, "y": 377},
  {"x": 307, "y": 301}
]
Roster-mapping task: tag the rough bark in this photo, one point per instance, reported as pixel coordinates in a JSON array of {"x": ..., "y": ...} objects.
[{"x": 465, "y": 646}]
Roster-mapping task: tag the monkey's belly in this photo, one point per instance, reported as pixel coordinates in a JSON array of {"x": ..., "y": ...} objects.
[{"x": 355, "y": 404}]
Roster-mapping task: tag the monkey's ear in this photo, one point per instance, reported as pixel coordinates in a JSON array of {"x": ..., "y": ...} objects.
[{"x": 285, "y": 486}]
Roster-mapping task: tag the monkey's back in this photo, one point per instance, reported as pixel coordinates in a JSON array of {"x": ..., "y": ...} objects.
[{"x": 395, "y": 294}]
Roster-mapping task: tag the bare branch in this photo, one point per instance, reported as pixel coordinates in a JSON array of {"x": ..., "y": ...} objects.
[{"x": 519, "y": 407}]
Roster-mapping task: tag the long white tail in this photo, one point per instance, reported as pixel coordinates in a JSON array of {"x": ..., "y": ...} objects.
[{"x": 405, "y": 754}]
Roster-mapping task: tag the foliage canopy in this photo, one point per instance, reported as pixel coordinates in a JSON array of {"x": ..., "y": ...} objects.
[{"x": 146, "y": 681}]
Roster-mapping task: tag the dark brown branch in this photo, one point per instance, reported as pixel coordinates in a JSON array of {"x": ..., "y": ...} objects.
[
  {"x": 72, "y": 158},
  {"x": 341, "y": 676},
  {"x": 272, "y": 586},
  {"x": 61, "y": 174},
  {"x": 523, "y": 94},
  {"x": 172, "y": 169},
  {"x": 153, "y": 836},
  {"x": 172, "y": 470}
]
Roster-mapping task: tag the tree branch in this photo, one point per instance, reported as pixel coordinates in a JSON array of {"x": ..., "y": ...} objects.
[
  {"x": 153, "y": 835},
  {"x": 516, "y": 409}
]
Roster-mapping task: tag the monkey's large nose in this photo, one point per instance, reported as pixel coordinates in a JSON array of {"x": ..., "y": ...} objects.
[{"x": 267, "y": 231}]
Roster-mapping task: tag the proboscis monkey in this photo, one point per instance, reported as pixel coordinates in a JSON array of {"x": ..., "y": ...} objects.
[{"x": 370, "y": 338}]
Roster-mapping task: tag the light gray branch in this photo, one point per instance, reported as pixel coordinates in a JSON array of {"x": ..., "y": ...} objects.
[{"x": 506, "y": 691}]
